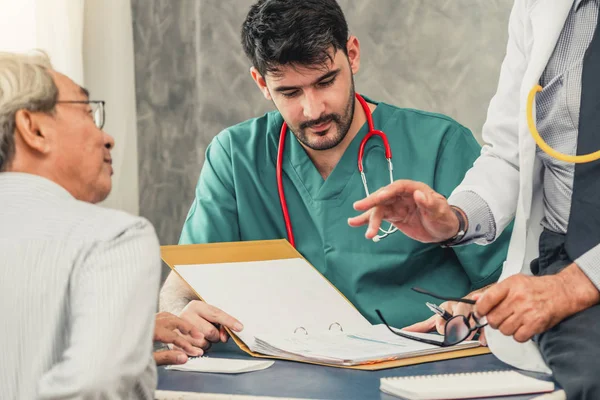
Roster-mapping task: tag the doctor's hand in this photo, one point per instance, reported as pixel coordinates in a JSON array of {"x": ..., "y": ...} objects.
[
  {"x": 523, "y": 306},
  {"x": 435, "y": 322},
  {"x": 413, "y": 207},
  {"x": 211, "y": 321},
  {"x": 170, "y": 329}
]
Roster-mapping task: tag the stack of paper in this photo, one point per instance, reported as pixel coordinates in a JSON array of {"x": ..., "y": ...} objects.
[
  {"x": 290, "y": 310},
  {"x": 338, "y": 348}
]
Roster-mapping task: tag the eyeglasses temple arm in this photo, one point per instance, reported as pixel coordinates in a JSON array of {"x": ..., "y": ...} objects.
[
  {"x": 404, "y": 335},
  {"x": 458, "y": 299}
]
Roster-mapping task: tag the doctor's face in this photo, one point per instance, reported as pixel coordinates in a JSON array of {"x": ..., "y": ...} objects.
[{"x": 317, "y": 102}]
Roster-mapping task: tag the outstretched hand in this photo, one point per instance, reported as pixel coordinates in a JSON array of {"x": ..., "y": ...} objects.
[{"x": 412, "y": 207}]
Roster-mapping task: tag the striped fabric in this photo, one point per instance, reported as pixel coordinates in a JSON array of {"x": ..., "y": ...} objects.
[
  {"x": 557, "y": 111},
  {"x": 78, "y": 291}
]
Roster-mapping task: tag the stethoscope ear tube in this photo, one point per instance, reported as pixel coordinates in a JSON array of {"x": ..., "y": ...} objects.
[
  {"x": 580, "y": 159},
  {"x": 280, "y": 189}
]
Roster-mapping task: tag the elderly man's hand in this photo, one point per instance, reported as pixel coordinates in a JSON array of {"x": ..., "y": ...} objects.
[
  {"x": 210, "y": 321},
  {"x": 412, "y": 207},
  {"x": 523, "y": 306},
  {"x": 170, "y": 329}
]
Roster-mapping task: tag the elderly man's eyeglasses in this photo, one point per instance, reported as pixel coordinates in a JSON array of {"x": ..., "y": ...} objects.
[
  {"x": 457, "y": 328},
  {"x": 97, "y": 111}
]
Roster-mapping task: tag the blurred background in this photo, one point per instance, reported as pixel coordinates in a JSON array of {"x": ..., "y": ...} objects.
[{"x": 173, "y": 75}]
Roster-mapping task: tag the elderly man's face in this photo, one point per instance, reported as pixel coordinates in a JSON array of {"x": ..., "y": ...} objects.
[{"x": 80, "y": 151}]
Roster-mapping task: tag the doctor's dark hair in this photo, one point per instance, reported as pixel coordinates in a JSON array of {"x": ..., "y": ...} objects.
[{"x": 302, "y": 32}]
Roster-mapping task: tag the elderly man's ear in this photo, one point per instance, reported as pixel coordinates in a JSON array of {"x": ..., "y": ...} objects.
[{"x": 30, "y": 133}]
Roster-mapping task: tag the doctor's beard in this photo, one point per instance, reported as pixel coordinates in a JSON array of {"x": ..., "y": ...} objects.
[{"x": 340, "y": 127}]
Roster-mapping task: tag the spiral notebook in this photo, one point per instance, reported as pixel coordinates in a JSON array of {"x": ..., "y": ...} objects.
[{"x": 464, "y": 385}]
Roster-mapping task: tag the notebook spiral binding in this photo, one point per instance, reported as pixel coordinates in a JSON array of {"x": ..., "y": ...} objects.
[
  {"x": 340, "y": 328},
  {"x": 435, "y": 376}
]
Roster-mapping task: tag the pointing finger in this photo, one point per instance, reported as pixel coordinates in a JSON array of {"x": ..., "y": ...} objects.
[
  {"x": 374, "y": 222},
  {"x": 359, "y": 220},
  {"x": 388, "y": 194}
]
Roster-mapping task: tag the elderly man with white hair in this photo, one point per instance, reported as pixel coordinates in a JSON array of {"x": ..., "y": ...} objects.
[{"x": 78, "y": 283}]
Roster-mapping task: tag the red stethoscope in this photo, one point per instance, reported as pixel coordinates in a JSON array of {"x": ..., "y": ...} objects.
[{"x": 361, "y": 152}]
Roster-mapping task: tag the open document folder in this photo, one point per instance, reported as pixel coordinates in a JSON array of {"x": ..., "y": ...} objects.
[{"x": 290, "y": 311}]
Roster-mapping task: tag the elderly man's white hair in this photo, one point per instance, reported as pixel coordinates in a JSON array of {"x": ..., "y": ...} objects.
[{"x": 25, "y": 83}]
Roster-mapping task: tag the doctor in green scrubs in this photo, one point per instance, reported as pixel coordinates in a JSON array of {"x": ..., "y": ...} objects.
[{"x": 303, "y": 61}]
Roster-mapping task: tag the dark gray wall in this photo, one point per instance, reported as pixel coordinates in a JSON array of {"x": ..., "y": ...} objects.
[{"x": 193, "y": 80}]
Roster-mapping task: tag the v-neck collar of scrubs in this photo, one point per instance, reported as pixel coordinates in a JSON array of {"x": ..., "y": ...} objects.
[{"x": 299, "y": 163}]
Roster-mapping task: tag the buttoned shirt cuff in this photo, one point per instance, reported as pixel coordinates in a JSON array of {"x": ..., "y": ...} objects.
[
  {"x": 589, "y": 263},
  {"x": 482, "y": 227}
]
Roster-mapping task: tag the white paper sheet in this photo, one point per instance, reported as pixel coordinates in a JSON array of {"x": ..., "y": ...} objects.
[{"x": 221, "y": 365}]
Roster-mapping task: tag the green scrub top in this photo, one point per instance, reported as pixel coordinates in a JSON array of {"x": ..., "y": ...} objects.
[{"x": 237, "y": 199}]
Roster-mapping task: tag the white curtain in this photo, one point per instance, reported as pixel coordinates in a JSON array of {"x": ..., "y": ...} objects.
[
  {"x": 55, "y": 26},
  {"x": 110, "y": 75},
  {"x": 91, "y": 41}
]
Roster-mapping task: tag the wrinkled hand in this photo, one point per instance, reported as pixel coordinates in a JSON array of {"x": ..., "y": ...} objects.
[
  {"x": 412, "y": 207},
  {"x": 523, "y": 306},
  {"x": 167, "y": 329},
  {"x": 210, "y": 320}
]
